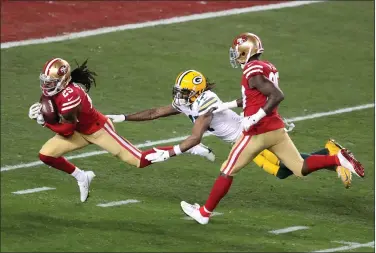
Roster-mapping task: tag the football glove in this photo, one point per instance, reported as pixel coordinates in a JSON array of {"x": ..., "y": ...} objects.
[
  {"x": 158, "y": 156},
  {"x": 40, "y": 119},
  {"x": 247, "y": 122},
  {"x": 288, "y": 126},
  {"x": 116, "y": 118},
  {"x": 34, "y": 110}
]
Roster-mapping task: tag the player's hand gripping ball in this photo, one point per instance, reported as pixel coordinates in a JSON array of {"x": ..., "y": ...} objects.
[{"x": 49, "y": 110}]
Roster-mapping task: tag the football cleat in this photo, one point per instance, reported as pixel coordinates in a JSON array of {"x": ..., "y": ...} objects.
[
  {"x": 333, "y": 147},
  {"x": 85, "y": 184},
  {"x": 348, "y": 161},
  {"x": 345, "y": 175},
  {"x": 194, "y": 212}
]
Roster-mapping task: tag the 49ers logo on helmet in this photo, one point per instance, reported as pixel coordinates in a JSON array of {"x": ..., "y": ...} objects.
[
  {"x": 62, "y": 70},
  {"x": 240, "y": 40}
]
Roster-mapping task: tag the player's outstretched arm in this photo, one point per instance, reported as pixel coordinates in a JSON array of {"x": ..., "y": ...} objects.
[
  {"x": 149, "y": 114},
  {"x": 229, "y": 105},
  {"x": 202, "y": 123}
]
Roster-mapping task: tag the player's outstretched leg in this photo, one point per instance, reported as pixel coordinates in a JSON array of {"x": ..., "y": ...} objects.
[
  {"x": 242, "y": 153},
  {"x": 52, "y": 154},
  {"x": 342, "y": 158},
  {"x": 201, "y": 214},
  {"x": 280, "y": 170},
  {"x": 333, "y": 148},
  {"x": 283, "y": 172},
  {"x": 83, "y": 178}
]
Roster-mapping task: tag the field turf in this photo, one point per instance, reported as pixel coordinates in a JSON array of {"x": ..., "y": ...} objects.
[{"x": 324, "y": 53}]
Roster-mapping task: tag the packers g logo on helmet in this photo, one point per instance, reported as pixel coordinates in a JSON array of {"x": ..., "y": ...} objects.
[
  {"x": 197, "y": 80},
  {"x": 188, "y": 86}
]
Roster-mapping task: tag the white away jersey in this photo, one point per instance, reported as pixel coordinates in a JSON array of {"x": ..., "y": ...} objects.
[{"x": 226, "y": 125}]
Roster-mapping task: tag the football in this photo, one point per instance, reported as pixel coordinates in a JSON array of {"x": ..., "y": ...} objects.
[{"x": 49, "y": 110}]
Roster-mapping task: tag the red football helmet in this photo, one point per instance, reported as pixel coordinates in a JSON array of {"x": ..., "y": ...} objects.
[
  {"x": 56, "y": 74},
  {"x": 244, "y": 47}
]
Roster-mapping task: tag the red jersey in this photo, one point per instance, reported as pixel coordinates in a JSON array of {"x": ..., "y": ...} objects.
[
  {"x": 89, "y": 119},
  {"x": 253, "y": 99}
]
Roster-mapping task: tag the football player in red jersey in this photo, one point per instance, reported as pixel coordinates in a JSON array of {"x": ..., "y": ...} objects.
[
  {"x": 262, "y": 128},
  {"x": 80, "y": 123}
]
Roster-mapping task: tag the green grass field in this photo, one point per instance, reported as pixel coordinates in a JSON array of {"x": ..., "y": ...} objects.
[{"x": 324, "y": 53}]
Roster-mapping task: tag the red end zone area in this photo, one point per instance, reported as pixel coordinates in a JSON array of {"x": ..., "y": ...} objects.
[{"x": 21, "y": 20}]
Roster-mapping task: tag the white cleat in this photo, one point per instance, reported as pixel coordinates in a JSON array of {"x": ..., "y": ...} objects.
[
  {"x": 194, "y": 212},
  {"x": 348, "y": 161},
  {"x": 84, "y": 185}
]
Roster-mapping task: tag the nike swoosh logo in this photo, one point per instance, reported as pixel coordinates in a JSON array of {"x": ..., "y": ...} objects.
[
  {"x": 69, "y": 99},
  {"x": 347, "y": 177}
]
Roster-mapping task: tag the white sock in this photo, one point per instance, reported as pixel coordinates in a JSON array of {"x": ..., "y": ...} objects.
[{"x": 78, "y": 174}]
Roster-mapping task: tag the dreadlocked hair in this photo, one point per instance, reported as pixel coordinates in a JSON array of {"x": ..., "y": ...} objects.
[
  {"x": 209, "y": 84},
  {"x": 83, "y": 76}
]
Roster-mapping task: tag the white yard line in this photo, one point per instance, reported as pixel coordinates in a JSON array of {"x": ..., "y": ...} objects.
[
  {"x": 350, "y": 246},
  {"x": 40, "y": 189},
  {"x": 119, "y": 203},
  {"x": 288, "y": 230},
  {"x": 213, "y": 214},
  {"x": 168, "y": 21},
  {"x": 339, "y": 111},
  {"x": 153, "y": 143}
]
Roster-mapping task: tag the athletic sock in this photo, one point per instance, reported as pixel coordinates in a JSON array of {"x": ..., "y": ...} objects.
[
  {"x": 219, "y": 190},
  {"x": 78, "y": 174},
  {"x": 59, "y": 163},
  {"x": 317, "y": 162}
]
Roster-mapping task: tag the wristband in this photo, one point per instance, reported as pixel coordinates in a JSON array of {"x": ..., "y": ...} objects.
[
  {"x": 125, "y": 117},
  {"x": 260, "y": 114},
  {"x": 177, "y": 150}
]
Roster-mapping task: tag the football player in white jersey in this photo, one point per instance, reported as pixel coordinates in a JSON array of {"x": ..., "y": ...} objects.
[{"x": 193, "y": 97}]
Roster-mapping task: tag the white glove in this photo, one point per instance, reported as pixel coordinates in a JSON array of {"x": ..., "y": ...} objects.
[
  {"x": 40, "y": 119},
  {"x": 158, "y": 156},
  {"x": 117, "y": 118},
  {"x": 288, "y": 126},
  {"x": 247, "y": 122},
  {"x": 34, "y": 110},
  {"x": 225, "y": 106}
]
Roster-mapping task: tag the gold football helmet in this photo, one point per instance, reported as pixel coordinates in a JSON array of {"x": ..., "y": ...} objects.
[
  {"x": 188, "y": 86},
  {"x": 244, "y": 47},
  {"x": 56, "y": 74}
]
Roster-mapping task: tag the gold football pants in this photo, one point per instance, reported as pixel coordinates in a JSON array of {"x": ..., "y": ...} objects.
[
  {"x": 106, "y": 138},
  {"x": 248, "y": 147}
]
